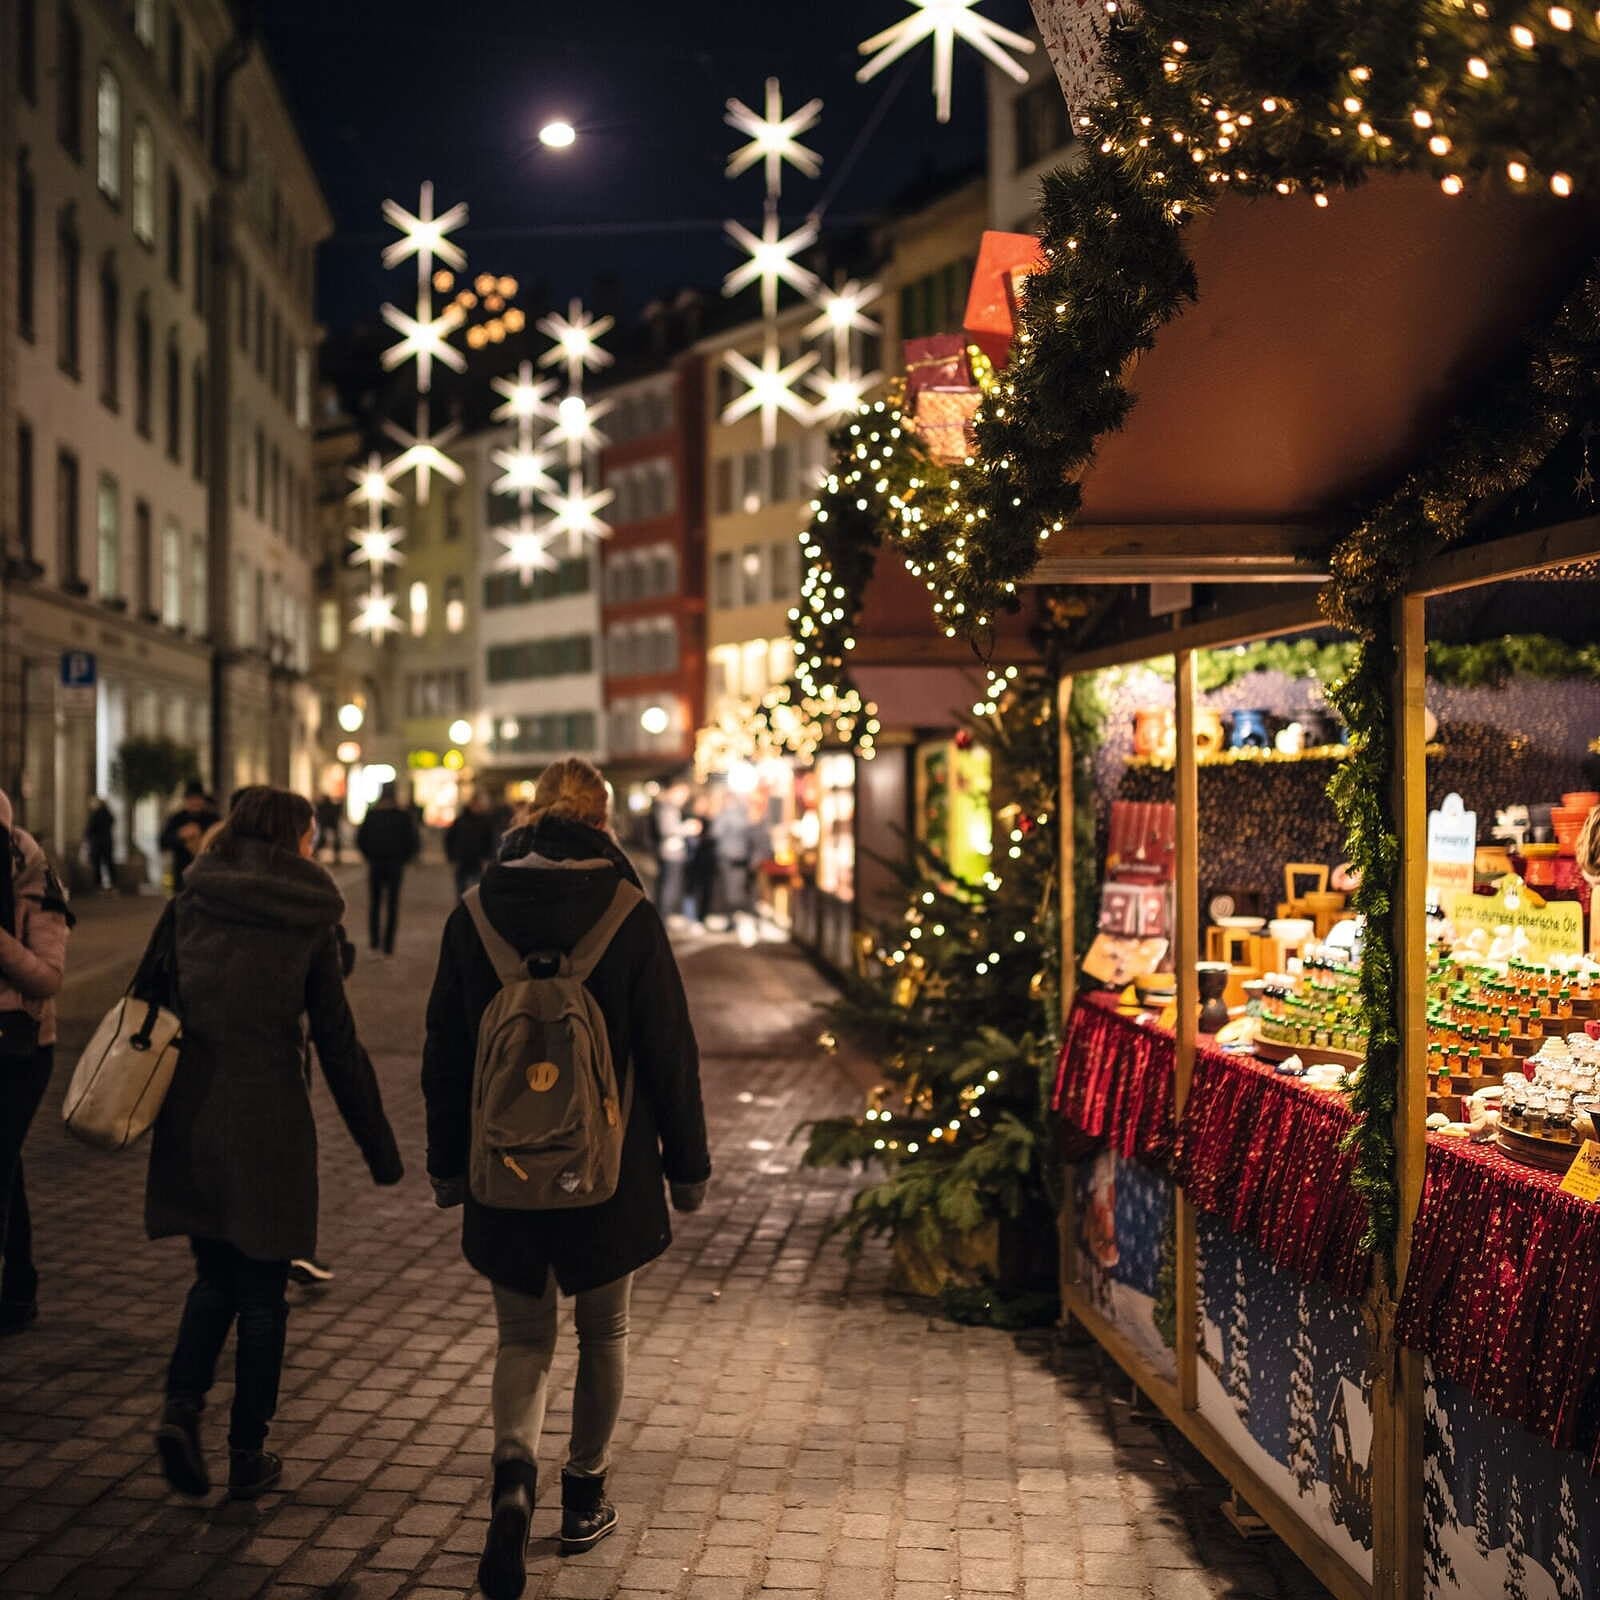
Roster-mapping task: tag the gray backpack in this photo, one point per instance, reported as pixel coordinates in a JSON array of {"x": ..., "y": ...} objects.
[{"x": 547, "y": 1119}]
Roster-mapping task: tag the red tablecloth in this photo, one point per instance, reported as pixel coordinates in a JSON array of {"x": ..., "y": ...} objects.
[
  {"x": 1114, "y": 1083},
  {"x": 1503, "y": 1291}
]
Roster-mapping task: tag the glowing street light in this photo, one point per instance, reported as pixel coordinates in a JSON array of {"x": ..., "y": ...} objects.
[
  {"x": 351, "y": 716},
  {"x": 460, "y": 731},
  {"x": 655, "y": 720},
  {"x": 558, "y": 135}
]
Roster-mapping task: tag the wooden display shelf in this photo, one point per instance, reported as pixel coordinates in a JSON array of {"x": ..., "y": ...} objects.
[
  {"x": 1550, "y": 1155},
  {"x": 1261, "y": 758},
  {"x": 1314, "y": 1055}
]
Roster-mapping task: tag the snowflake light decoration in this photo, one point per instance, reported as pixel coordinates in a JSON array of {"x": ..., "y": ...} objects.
[
  {"x": 425, "y": 339},
  {"x": 576, "y": 344},
  {"x": 377, "y": 547},
  {"x": 575, "y": 511},
  {"x": 841, "y": 394},
  {"x": 944, "y": 21},
  {"x": 522, "y": 469},
  {"x": 524, "y": 395},
  {"x": 844, "y": 310},
  {"x": 774, "y": 138},
  {"x": 769, "y": 389},
  {"x": 771, "y": 261},
  {"x": 575, "y": 423},
  {"x": 375, "y": 615},
  {"x": 372, "y": 486},
  {"x": 424, "y": 235},
  {"x": 422, "y": 454},
  {"x": 527, "y": 550}
]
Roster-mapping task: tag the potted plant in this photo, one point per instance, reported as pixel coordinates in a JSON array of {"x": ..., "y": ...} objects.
[{"x": 144, "y": 767}]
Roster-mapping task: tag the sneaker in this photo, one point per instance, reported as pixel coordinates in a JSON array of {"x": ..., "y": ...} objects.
[
  {"x": 503, "y": 1567},
  {"x": 16, "y": 1316},
  {"x": 586, "y": 1515},
  {"x": 183, "y": 1462},
  {"x": 303, "y": 1269},
  {"x": 252, "y": 1473}
]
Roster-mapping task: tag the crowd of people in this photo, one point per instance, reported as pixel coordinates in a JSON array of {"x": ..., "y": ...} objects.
[
  {"x": 557, "y": 988},
  {"x": 709, "y": 848}
]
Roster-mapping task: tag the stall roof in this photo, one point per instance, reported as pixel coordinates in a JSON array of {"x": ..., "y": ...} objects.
[{"x": 1323, "y": 353}]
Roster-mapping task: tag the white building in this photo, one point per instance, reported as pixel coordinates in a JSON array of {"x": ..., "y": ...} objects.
[{"x": 158, "y": 219}]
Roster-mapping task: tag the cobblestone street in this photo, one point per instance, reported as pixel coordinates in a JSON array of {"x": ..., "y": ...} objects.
[{"x": 789, "y": 1428}]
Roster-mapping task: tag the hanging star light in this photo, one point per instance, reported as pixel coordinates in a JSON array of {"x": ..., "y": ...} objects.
[
  {"x": 771, "y": 261},
  {"x": 575, "y": 423},
  {"x": 423, "y": 454},
  {"x": 375, "y": 615},
  {"x": 769, "y": 389},
  {"x": 841, "y": 394},
  {"x": 844, "y": 310},
  {"x": 523, "y": 470},
  {"x": 576, "y": 336},
  {"x": 423, "y": 235},
  {"x": 372, "y": 486},
  {"x": 944, "y": 21},
  {"x": 424, "y": 337},
  {"x": 525, "y": 396},
  {"x": 376, "y": 547},
  {"x": 574, "y": 512},
  {"x": 774, "y": 138},
  {"x": 527, "y": 550}
]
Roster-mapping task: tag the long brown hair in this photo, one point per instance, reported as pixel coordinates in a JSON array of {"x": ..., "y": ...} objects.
[
  {"x": 277, "y": 817},
  {"x": 571, "y": 788}
]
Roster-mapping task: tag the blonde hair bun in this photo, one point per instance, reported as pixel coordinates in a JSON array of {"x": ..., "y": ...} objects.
[{"x": 572, "y": 789}]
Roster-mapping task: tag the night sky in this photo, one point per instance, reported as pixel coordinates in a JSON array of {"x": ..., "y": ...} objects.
[{"x": 387, "y": 94}]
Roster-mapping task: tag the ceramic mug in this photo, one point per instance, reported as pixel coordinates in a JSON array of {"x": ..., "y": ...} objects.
[{"x": 1252, "y": 730}]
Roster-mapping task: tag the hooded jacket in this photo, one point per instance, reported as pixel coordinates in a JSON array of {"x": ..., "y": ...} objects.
[
  {"x": 234, "y": 1155},
  {"x": 550, "y": 886},
  {"x": 33, "y": 956}
]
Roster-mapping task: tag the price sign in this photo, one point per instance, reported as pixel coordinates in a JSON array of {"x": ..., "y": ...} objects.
[
  {"x": 1452, "y": 846},
  {"x": 1583, "y": 1176},
  {"x": 1537, "y": 929}
]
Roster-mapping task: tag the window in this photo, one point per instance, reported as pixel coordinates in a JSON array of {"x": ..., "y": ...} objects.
[
  {"x": 175, "y": 57},
  {"x": 782, "y": 472},
  {"x": 143, "y": 559},
  {"x": 1040, "y": 121},
  {"x": 197, "y": 420},
  {"x": 261, "y": 473},
  {"x": 25, "y": 489},
  {"x": 750, "y": 480},
  {"x": 108, "y": 133},
  {"x": 728, "y": 385},
  {"x": 540, "y": 658},
  {"x": 329, "y": 634},
  {"x": 172, "y": 574},
  {"x": 258, "y": 636},
  {"x": 199, "y": 578},
  {"x": 244, "y": 309},
  {"x": 752, "y": 571},
  {"x": 723, "y": 495},
  {"x": 174, "y": 226},
  {"x": 664, "y": 570},
  {"x": 455, "y": 605},
  {"x": 69, "y": 563},
  {"x": 785, "y": 569},
  {"x": 174, "y": 398},
  {"x": 275, "y": 350},
  {"x": 197, "y": 250},
  {"x": 143, "y": 363},
  {"x": 722, "y": 581},
  {"x": 275, "y": 489},
  {"x": 936, "y": 302},
  {"x": 110, "y": 333},
  {"x": 68, "y": 263},
  {"x": 302, "y": 408},
  {"x": 144, "y": 183},
  {"x": 144, "y": 22},
  {"x": 28, "y": 50},
  {"x": 27, "y": 248},
  {"x": 242, "y": 615},
  {"x": 261, "y": 329},
  {"x": 417, "y": 605},
  {"x": 69, "y": 82},
  {"x": 202, "y": 98},
  {"x": 108, "y": 534},
  {"x": 571, "y": 576}
]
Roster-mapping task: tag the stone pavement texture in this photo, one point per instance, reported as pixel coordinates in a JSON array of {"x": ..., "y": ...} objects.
[{"x": 790, "y": 1428}]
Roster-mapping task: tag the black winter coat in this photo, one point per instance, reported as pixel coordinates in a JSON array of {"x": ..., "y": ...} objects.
[
  {"x": 388, "y": 836},
  {"x": 234, "y": 1155},
  {"x": 547, "y": 900}
]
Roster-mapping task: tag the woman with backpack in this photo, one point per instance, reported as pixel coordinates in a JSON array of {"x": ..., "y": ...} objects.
[
  {"x": 233, "y": 1163},
  {"x": 34, "y": 922},
  {"x": 562, "y": 1082}
]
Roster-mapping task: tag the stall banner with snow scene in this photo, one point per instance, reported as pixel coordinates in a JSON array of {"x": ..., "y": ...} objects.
[
  {"x": 1283, "y": 1379},
  {"x": 1504, "y": 1514},
  {"x": 1126, "y": 1253}
]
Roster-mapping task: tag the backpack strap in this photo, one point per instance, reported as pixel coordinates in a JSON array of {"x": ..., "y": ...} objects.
[
  {"x": 509, "y": 967},
  {"x": 586, "y": 953}
]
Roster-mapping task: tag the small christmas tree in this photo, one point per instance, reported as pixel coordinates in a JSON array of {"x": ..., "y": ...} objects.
[
  {"x": 960, "y": 1007},
  {"x": 1516, "y": 1544},
  {"x": 1568, "y": 1563},
  {"x": 1238, "y": 1379},
  {"x": 1481, "y": 1524},
  {"x": 1438, "y": 1499},
  {"x": 1303, "y": 1461}
]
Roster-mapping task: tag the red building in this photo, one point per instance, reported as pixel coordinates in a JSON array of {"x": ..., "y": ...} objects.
[{"x": 653, "y": 588}]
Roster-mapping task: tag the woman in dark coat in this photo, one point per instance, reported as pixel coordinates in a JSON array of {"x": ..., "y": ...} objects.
[
  {"x": 557, "y": 877},
  {"x": 234, "y": 1160}
]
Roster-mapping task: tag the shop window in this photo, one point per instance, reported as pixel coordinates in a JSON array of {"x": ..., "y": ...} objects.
[
  {"x": 108, "y": 134},
  {"x": 144, "y": 183},
  {"x": 108, "y": 539}
]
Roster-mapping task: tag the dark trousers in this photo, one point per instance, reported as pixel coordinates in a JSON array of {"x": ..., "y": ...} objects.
[
  {"x": 22, "y": 1086},
  {"x": 383, "y": 902},
  {"x": 102, "y": 863},
  {"x": 230, "y": 1287}
]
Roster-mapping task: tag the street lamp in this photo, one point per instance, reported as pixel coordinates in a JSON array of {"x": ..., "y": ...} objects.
[
  {"x": 558, "y": 135},
  {"x": 461, "y": 731},
  {"x": 351, "y": 716},
  {"x": 655, "y": 720}
]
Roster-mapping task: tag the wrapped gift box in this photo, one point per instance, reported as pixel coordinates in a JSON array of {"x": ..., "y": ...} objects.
[
  {"x": 944, "y": 421},
  {"x": 1005, "y": 263},
  {"x": 938, "y": 361}
]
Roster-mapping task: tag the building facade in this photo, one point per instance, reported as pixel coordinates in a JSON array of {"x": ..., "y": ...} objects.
[
  {"x": 653, "y": 587},
  {"x": 158, "y": 227}
]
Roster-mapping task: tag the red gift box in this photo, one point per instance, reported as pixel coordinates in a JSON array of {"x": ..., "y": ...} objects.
[
  {"x": 938, "y": 361},
  {"x": 1005, "y": 263},
  {"x": 944, "y": 421}
]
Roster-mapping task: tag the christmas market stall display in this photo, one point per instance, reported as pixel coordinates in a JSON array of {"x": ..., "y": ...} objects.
[{"x": 824, "y": 902}]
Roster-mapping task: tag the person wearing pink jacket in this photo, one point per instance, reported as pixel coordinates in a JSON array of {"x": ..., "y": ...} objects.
[{"x": 34, "y": 922}]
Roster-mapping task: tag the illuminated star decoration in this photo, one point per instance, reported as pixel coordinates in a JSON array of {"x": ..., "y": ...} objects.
[
  {"x": 424, "y": 337},
  {"x": 375, "y": 615},
  {"x": 843, "y": 310},
  {"x": 423, "y": 235},
  {"x": 841, "y": 394},
  {"x": 769, "y": 389},
  {"x": 771, "y": 261},
  {"x": 944, "y": 21},
  {"x": 524, "y": 395},
  {"x": 527, "y": 550},
  {"x": 575, "y": 510},
  {"x": 523, "y": 469},
  {"x": 372, "y": 486},
  {"x": 423, "y": 454},
  {"x": 575, "y": 423},
  {"x": 575, "y": 338},
  {"x": 843, "y": 388},
  {"x": 774, "y": 138}
]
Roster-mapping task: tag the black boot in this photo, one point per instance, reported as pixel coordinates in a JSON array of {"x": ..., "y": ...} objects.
[
  {"x": 252, "y": 1472},
  {"x": 586, "y": 1515},
  {"x": 178, "y": 1445},
  {"x": 503, "y": 1568}
]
